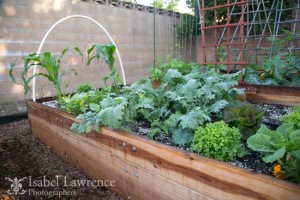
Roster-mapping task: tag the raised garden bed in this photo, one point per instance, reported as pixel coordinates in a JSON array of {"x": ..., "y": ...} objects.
[
  {"x": 145, "y": 169},
  {"x": 286, "y": 95}
]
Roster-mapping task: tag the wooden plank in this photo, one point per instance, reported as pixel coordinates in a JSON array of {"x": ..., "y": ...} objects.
[
  {"x": 284, "y": 95},
  {"x": 97, "y": 163},
  {"x": 191, "y": 175},
  {"x": 273, "y": 99},
  {"x": 271, "y": 89}
]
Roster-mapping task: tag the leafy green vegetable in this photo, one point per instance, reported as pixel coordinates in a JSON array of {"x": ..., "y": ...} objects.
[
  {"x": 282, "y": 143},
  {"x": 88, "y": 122},
  {"x": 244, "y": 116},
  {"x": 219, "y": 141},
  {"x": 81, "y": 102},
  {"x": 181, "y": 136},
  {"x": 158, "y": 72},
  {"x": 181, "y": 104},
  {"x": 293, "y": 170},
  {"x": 114, "y": 112},
  {"x": 282, "y": 68},
  {"x": 293, "y": 117},
  {"x": 83, "y": 88}
]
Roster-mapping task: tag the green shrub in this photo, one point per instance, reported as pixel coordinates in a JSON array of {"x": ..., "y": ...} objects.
[
  {"x": 244, "y": 116},
  {"x": 219, "y": 141}
]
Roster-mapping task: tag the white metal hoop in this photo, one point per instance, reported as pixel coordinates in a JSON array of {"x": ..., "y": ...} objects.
[{"x": 53, "y": 26}]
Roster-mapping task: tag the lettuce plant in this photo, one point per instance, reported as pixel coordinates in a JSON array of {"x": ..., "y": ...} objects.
[
  {"x": 293, "y": 117},
  {"x": 282, "y": 145},
  {"x": 217, "y": 140},
  {"x": 244, "y": 116},
  {"x": 84, "y": 99},
  {"x": 83, "y": 88}
]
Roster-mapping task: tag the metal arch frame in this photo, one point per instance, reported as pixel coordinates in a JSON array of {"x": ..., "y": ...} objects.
[{"x": 53, "y": 26}]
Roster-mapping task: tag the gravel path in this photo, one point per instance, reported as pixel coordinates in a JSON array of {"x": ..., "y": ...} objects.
[{"x": 23, "y": 155}]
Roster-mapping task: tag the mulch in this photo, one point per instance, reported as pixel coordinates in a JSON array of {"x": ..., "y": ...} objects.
[{"x": 23, "y": 155}]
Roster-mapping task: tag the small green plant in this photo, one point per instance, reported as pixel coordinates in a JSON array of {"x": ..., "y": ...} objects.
[
  {"x": 282, "y": 145},
  {"x": 83, "y": 101},
  {"x": 284, "y": 142},
  {"x": 293, "y": 117},
  {"x": 83, "y": 88},
  {"x": 282, "y": 68},
  {"x": 107, "y": 51},
  {"x": 158, "y": 72},
  {"x": 292, "y": 170},
  {"x": 217, "y": 140},
  {"x": 112, "y": 112},
  {"x": 48, "y": 62},
  {"x": 244, "y": 116}
]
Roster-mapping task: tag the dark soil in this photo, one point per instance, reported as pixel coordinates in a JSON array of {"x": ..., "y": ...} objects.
[
  {"x": 23, "y": 155},
  {"x": 252, "y": 161}
]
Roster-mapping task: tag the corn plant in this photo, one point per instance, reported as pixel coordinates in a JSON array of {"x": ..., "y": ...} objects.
[
  {"x": 48, "y": 62},
  {"x": 107, "y": 51}
]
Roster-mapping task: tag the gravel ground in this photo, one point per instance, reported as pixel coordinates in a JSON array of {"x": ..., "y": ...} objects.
[
  {"x": 23, "y": 155},
  {"x": 273, "y": 113}
]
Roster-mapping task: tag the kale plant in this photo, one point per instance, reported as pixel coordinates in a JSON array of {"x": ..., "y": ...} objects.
[
  {"x": 112, "y": 112},
  {"x": 217, "y": 140},
  {"x": 177, "y": 107},
  {"x": 244, "y": 116},
  {"x": 187, "y": 101}
]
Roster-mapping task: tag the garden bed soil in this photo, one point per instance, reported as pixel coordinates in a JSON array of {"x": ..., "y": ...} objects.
[
  {"x": 252, "y": 161},
  {"x": 23, "y": 155}
]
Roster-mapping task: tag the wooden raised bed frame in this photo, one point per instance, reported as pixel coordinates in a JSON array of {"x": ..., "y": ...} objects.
[
  {"x": 144, "y": 169},
  {"x": 274, "y": 94}
]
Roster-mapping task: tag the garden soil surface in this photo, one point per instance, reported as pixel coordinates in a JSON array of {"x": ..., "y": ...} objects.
[{"x": 23, "y": 155}]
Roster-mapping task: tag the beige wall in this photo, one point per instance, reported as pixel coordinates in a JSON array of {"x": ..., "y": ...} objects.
[{"x": 23, "y": 23}]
